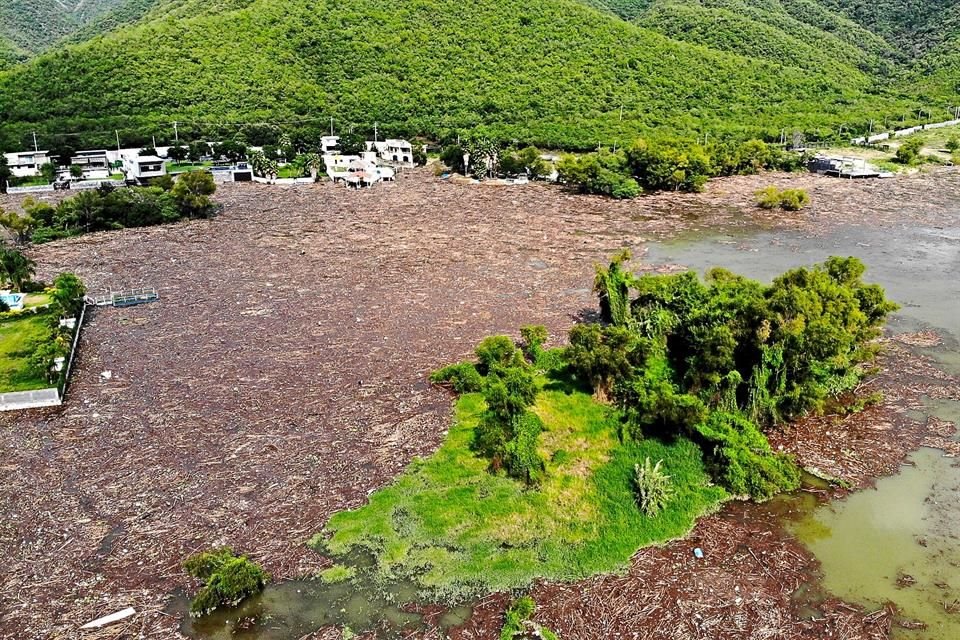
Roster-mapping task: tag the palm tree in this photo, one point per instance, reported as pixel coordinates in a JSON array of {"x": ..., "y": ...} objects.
[{"x": 16, "y": 268}]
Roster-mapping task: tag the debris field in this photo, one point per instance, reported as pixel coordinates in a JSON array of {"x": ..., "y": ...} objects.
[{"x": 282, "y": 378}]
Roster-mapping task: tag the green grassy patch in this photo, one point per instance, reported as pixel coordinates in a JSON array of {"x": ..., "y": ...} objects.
[
  {"x": 36, "y": 300},
  {"x": 456, "y": 528},
  {"x": 290, "y": 171},
  {"x": 18, "y": 338},
  {"x": 183, "y": 168}
]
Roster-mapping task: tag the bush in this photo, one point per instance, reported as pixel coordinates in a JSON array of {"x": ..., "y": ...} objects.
[
  {"x": 768, "y": 198},
  {"x": 794, "y": 199},
  {"x": 192, "y": 193},
  {"x": 228, "y": 579},
  {"x": 496, "y": 351},
  {"x": 652, "y": 486},
  {"x": 68, "y": 294},
  {"x": 521, "y": 459},
  {"x": 909, "y": 151},
  {"x": 534, "y": 336},
  {"x": 463, "y": 377},
  {"x": 788, "y": 199},
  {"x": 518, "y": 624}
]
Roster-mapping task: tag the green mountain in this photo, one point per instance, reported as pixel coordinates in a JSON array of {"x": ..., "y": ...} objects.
[
  {"x": 571, "y": 73},
  {"x": 10, "y": 54},
  {"x": 548, "y": 71},
  {"x": 35, "y": 25}
]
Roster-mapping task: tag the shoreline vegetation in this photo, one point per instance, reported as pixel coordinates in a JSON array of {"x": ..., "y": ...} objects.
[{"x": 562, "y": 463}]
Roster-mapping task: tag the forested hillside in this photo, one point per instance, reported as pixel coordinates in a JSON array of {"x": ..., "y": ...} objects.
[
  {"x": 571, "y": 73},
  {"x": 9, "y": 54},
  {"x": 545, "y": 71},
  {"x": 35, "y": 25}
]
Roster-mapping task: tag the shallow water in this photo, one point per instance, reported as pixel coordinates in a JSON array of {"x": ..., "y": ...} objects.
[
  {"x": 895, "y": 543},
  {"x": 907, "y": 529},
  {"x": 290, "y": 610}
]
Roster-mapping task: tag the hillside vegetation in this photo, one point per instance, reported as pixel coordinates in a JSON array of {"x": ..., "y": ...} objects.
[
  {"x": 558, "y": 73},
  {"x": 553, "y": 72},
  {"x": 34, "y": 25}
]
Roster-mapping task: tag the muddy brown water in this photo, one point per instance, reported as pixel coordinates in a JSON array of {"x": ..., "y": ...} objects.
[{"x": 897, "y": 542}]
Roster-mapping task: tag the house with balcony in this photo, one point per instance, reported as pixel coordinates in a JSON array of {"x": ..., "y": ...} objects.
[
  {"x": 95, "y": 164},
  {"x": 143, "y": 168},
  {"x": 26, "y": 164}
]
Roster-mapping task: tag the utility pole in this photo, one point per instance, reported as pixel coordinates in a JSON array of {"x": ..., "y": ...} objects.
[
  {"x": 117, "y": 133},
  {"x": 176, "y": 134},
  {"x": 375, "y": 131},
  {"x": 331, "y": 125},
  {"x": 35, "y": 147},
  {"x": 871, "y": 129},
  {"x": 154, "y": 142}
]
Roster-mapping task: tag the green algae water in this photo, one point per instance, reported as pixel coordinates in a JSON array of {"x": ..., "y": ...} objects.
[{"x": 895, "y": 543}]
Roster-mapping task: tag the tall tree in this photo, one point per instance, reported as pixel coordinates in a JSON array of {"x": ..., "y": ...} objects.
[
  {"x": 16, "y": 268},
  {"x": 192, "y": 194}
]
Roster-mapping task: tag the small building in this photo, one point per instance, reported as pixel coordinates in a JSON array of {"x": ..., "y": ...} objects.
[
  {"x": 143, "y": 168},
  {"x": 394, "y": 151},
  {"x": 26, "y": 164},
  {"x": 91, "y": 160},
  {"x": 852, "y": 168},
  {"x": 354, "y": 171},
  {"x": 329, "y": 145}
]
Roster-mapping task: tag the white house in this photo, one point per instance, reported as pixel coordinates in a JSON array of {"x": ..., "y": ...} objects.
[
  {"x": 398, "y": 152},
  {"x": 354, "y": 171},
  {"x": 394, "y": 151},
  {"x": 142, "y": 168},
  {"x": 91, "y": 160},
  {"x": 26, "y": 164},
  {"x": 329, "y": 144},
  {"x": 95, "y": 164}
]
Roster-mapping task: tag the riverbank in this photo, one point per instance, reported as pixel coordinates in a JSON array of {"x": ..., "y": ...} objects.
[{"x": 282, "y": 377}]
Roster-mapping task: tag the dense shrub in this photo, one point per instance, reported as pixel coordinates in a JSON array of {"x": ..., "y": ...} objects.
[
  {"x": 768, "y": 198},
  {"x": 794, "y": 199},
  {"x": 463, "y": 377},
  {"x": 788, "y": 199},
  {"x": 602, "y": 173},
  {"x": 227, "y": 578},
  {"x": 533, "y": 336},
  {"x": 102, "y": 210},
  {"x": 909, "y": 151},
  {"x": 717, "y": 360},
  {"x": 496, "y": 351}
]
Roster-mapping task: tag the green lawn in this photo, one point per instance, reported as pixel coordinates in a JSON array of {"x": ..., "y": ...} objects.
[
  {"x": 37, "y": 300},
  {"x": 187, "y": 166},
  {"x": 37, "y": 181},
  {"x": 455, "y": 528},
  {"x": 16, "y": 340},
  {"x": 290, "y": 171}
]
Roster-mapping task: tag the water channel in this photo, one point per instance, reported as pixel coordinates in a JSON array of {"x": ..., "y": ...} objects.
[{"x": 898, "y": 542}]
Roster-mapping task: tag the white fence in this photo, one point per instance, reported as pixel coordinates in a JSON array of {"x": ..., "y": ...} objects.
[
  {"x": 899, "y": 133},
  {"x": 94, "y": 184},
  {"x": 29, "y": 399},
  {"x": 43, "y": 188}
]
